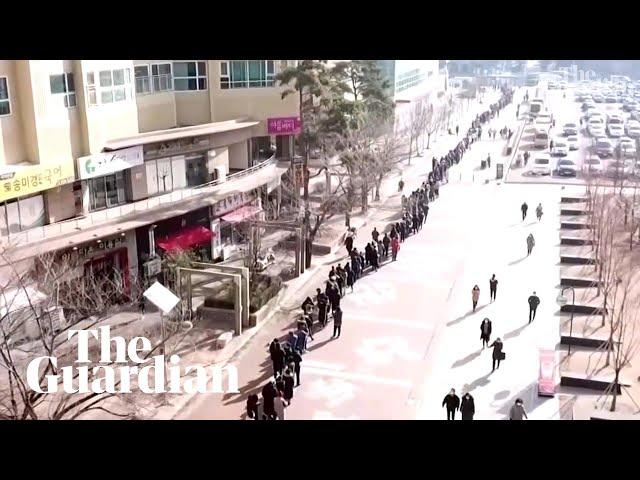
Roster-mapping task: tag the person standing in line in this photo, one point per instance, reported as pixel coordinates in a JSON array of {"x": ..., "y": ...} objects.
[
  {"x": 414, "y": 221},
  {"x": 375, "y": 234},
  {"x": 524, "y": 207},
  {"x": 489, "y": 160},
  {"x": 288, "y": 385},
  {"x": 395, "y": 247},
  {"x": 322, "y": 301},
  {"x": 534, "y": 301},
  {"x": 294, "y": 357},
  {"x": 425, "y": 209},
  {"x": 252, "y": 406},
  {"x": 350, "y": 276},
  {"x": 385, "y": 242},
  {"x": 348, "y": 243},
  {"x": 539, "y": 211},
  {"x": 380, "y": 252},
  {"x": 452, "y": 402},
  {"x": 517, "y": 411},
  {"x": 497, "y": 355},
  {"x": 475, "y": 296},
  {"x": 493, "y": 287},
  {"x": 400, "y": 185},
  {"x": 277, "y": 358},
  {"x": 485, "y": 332},
  {"x": 279, "y": 404},
  {"x": 269, "y": 393},
  {"x": 530, "y": 243},
  {"x": 457, "y": 129},
  {"x": 467, "y": 407},
  {"x": 337, "y": 323}
]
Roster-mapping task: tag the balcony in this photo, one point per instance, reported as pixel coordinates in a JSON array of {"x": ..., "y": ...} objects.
[
  {"x": 153, "y": 84},
  {"x": 126, "y": 217}
]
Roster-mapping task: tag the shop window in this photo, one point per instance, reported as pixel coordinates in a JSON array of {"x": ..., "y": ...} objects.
[
  {"x": 107, "y": 191},
  {"x": 5, "y": 103},
  {"x": 22, "y": 214},
  {"x": 197, "y": 172}
]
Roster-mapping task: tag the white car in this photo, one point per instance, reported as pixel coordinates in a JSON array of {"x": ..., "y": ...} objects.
[
  {"x": 633, "y": 130},
  {"x": 615, "y": 130},
  {"x": 596, "y": 129},
  {"x": 592, "y": 166},
  {"x": 627, "y": 148},
  {"x": 560, "y": 148},
  {"x": 572, "y": 141},
  {"x": 598, "y": 98},
  {"x": 570, "y": 129},
  {"x": 541, "y": 165}
]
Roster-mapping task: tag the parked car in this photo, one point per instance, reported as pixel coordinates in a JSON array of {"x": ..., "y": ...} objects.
[
  {"x": 615, "y": 130},
  {"x": 604, "y": 147},
  {"x": 541, "y": 165},
  {"x": 592, "y": 165},
  {"x": 560, "y": 148},
  {"x": 619, "y": 168},
  {"x": 570, "y": 129},
  {"x": 633, "y": 129},
  {"x": 572, "y": 141},
  {"x": 566, "y": 168},
  {"x": 598, "y": 98},
  {"x": 627, "y": 148}
]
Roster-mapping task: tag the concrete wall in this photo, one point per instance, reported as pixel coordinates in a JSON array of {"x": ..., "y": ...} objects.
[
  {"x": 238, "y": 156},
  {"x": 192, "y": 108},
  {"x": 156, "y": 111},
  {"x": 60, "y": 203},
  {"x": 12, "y": 147},
  {"x": 138, "y": 182}
]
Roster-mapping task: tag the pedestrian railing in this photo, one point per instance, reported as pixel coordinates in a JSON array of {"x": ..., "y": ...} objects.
[{"x": 101, "y": 217}]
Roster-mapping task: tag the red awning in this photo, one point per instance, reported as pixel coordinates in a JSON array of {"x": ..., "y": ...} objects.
[
  {"x": 241, "y": 214},
  {"x": 188, "y": 238}
]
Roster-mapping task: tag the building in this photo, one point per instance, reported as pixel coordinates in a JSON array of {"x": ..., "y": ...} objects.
[{"x": 112, "y": 158}]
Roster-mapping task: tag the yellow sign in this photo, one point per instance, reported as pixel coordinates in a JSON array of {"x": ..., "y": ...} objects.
[{"x": 29, "y": 180}]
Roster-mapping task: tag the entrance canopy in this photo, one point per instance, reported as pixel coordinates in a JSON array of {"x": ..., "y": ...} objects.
[
  {"x": 241, "y": 214},
  {"x": 188, "y": 238}
]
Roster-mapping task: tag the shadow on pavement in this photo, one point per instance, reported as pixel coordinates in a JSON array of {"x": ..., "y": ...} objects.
[
  {"x": 315, "y": 346},
  {"x": 479, "y": 382},
  {"x": 529, "y": 396},
  {"x": 467, "y": 359},
  {"x": 516, "y": 332},
  {"x": 459, "y": 319},
  {"x": 515, "y": 262}
]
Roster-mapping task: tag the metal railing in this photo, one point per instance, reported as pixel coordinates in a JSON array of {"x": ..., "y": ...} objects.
[{"x": 99, "y": 217}]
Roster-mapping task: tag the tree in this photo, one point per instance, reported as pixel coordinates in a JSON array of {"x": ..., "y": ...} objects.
[{"x": 416, "y": 123}]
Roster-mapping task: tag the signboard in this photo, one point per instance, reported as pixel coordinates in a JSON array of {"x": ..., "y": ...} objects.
[
  {"x": 231, "y": 203},
  {"x": 161, "y": 297},
  {"x": 152, "y": 267},
  {"x": 109, "y": 162},
  {"x": 547, "y": 373},
  {"x": 32, "y": 179},
  {"x": 283, "y": 126},
  {"x": 104, "y": 246},
  {"x": 178, "y": 146}
]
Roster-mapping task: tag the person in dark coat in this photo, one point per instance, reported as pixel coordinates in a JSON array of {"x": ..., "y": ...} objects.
[
  {"x": 394, "y": 232},
  {"x": 400, "y": 229},
  {"x": 350, "y": 276},
  {"x": 497, "y": 355},
  {"x": 485, "y": 332},
  {"x": 375, "y": 234},
  {"x": 385, "y": 242},
  {"x": 288, "y": 385},
  {"x": 277, "y": 358},
  {"x": 493, "y": 287},
  {"x": 415, "y": 223},
  {"x": 332, "y": 272},
  {"x": 534, "y": 301},
  {"x": 452, "y": 402},
  {"x": 349, "y": 243},
  {"x": 467, "y": 407},
  {"x": 269, "y": 393},
  {"x": 367, "y": 253},
  {"x": 252, "y": 406},
  {"x": 294, "y": 358},
  {"x": 323, "y": 303},
  {"x": 337, "y": 323},
  {"x": 524, "y": 207}
]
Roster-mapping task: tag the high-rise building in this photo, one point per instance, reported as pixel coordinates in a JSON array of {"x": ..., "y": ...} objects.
[{"x": 106, "y": 156}]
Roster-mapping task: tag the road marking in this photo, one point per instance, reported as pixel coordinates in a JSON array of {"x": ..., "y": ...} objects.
[{"x": 357, "y": 377}]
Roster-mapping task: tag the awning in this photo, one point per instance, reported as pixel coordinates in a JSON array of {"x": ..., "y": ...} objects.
[
  {"x": 241, "y": 214},
  {"x": 188, "y": 238}
]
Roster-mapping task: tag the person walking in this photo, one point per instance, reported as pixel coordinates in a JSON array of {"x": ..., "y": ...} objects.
[
  {"x": 348, "y": 243},
  {"x": 385, "y": 243},
  {"x": 400, "y": 185},
  {"x": 457, "y": 129},
  {"x": 467, "y": 407},
  {"x": 534, "y": 301},
  {"x": 375, "y": 234},
  {"x": 517, "y": 411},
  {"x": 497, "y": 355},
  {"x": 524, "y": 207},
  {"x": 475, "y": 296},
  {"x": 485, "y": 332},
  {"x": 489, "y": 161},
  {"x": 395, "y": 247},
  {"x": 539, "y": 211},
  {"x": 493, "y": 287},
  {"x": 530, "y": 243},
  {"x": 337, "y": 323},
  {"x": 452, "y": 402}
]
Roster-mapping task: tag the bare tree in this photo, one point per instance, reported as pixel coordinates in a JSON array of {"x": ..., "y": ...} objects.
[{"x": 415, "y": 126}]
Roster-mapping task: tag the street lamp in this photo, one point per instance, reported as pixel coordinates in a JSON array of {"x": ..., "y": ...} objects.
[{"x": 562, "y": 301}]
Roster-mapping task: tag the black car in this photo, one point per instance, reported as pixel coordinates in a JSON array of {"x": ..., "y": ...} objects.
[{"x": 566, "y": 168}]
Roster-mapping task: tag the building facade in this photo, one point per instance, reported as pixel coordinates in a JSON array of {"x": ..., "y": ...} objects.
[{"x": 100, "y": 155}]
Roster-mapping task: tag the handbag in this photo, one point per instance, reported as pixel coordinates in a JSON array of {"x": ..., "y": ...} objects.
[{"x": 502, "y": 355}]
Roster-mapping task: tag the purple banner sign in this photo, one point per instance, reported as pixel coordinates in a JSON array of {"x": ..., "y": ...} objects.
[{"x": 283, "y": 126}]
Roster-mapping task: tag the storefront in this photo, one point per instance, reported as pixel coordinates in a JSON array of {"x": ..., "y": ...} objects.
[
  {"x": 229, "y": 222},
  {"x": 106, "y": 176}
]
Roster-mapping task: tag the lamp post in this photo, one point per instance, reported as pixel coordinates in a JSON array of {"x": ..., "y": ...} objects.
[{"x": 562, "y": 301}]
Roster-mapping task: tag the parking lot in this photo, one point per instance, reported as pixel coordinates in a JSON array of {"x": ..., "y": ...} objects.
[{"x": 601, "y": 144}]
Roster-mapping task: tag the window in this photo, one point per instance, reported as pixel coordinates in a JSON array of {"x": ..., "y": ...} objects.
[
  {"x": 107, "y": 191},
  {"x": 189, "y": 76},
  {"x": 5, "y": 104},
  {"x": 162, "y": 80},
  {"x": 143, "y": 85},
  {"x": 113, "y": 86},
  {"x": 63, "y": 84},
  {"x": 247, "y": 74}
]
